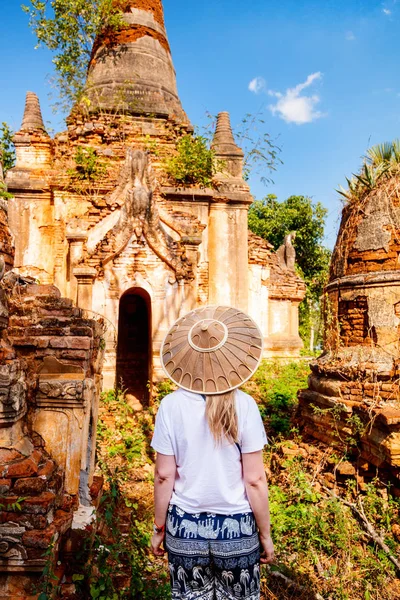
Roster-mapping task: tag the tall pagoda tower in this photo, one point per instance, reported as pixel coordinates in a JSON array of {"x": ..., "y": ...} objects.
[{"x": 131, "y": 69}]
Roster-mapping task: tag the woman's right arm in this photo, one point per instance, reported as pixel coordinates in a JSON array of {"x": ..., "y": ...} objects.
[{"x": 257, "y": 493}]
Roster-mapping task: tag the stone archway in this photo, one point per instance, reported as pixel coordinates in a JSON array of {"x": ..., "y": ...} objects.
[{"x": 134, "y": 348}]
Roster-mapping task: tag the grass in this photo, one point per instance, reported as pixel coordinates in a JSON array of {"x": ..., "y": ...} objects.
[
  {"x": 274, "y": 387},
  {"x": 321, "y": 547}
]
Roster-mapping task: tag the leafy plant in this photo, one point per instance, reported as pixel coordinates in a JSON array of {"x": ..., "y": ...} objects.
[
  {"x": 163, "y": 388},
  {"x": 261, "y": 153},
  {"x": 319, "y": 542},
  {"x": 15, "y": 506},
  {"x": 194, "y": 162},
  {"x": 88, "y": 168},
  {"x": 273, "y": 220},
  {"x": 7, "y": 148},
  {"x": 48, "y": 587},
  {"x": 275, "y": 386},
  {"x": 381, "y": 162},
  {"x": 68, "y": 28}
]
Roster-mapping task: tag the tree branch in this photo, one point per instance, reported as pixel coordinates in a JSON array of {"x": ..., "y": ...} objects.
[{"x": 374, "y": 535}]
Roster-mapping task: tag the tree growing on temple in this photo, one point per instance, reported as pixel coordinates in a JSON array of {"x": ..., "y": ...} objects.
[
  {"x": 7, "y": 148},
  {"x": 68, "y": 28},
  {"x": 7, "y": 157},
  {"x": 272, "y": 220}
]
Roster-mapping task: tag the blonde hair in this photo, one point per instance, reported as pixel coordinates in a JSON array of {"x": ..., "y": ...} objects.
[{"x": 222, "y": 417}]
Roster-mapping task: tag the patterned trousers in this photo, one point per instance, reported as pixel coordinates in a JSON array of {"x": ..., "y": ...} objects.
[{"x": 213, "y": 556}]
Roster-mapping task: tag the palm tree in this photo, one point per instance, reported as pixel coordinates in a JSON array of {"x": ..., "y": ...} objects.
[
  {"x": 396, "y": 151},
  {"x": 380, "y": 154},
  {"x": 172, "y": 573},
  {"x": 182, "y": 576},
  {"x": 244, "y": 579},
  {"x": 256, "y": 572},
  {"x": 197, "y": 574},
  {"x": 228, "y": 577}
]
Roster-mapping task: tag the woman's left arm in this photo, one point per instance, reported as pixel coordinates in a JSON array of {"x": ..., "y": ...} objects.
[{"x": 164, "y": 480}]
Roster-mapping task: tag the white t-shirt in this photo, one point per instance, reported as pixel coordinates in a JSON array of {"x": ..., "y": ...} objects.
[{"x": 209, "y": 476}]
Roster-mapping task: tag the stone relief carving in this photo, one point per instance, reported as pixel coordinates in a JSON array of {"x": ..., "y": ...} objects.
[
  {"x": 60, "y": 393},
  {"x": 286, "y": 253},
  {"x": 139, "y": 215},
  {"x": 11, "y": 548},
  {"x": 12, "y": 393},
  {"x": 3, "y": 298}
]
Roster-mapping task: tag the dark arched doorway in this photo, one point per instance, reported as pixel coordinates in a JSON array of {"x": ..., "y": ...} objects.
[{"x": 134, "y": 344}]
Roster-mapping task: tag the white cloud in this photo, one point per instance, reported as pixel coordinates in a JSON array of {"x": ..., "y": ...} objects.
[
  {"x": 386, "y": 11},
  {"x": 292, "y": 107},
  {"x": 350, "y": 37},
  {"x": 257, "y": 85}
]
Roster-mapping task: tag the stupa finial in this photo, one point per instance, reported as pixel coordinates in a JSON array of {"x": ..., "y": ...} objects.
[
  {"x": 33, "y": 119},
  {"x": 224, "y": 142}
]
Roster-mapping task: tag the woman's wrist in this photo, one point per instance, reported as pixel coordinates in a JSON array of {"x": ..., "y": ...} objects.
[
  {"x": 158, "y": 528},
  {"x": 265, "y": 534}
]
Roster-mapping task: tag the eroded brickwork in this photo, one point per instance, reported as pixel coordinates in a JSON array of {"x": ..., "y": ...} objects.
[
  {"x": 353, "y": 395},
  {"x": 50, "y": 380}
]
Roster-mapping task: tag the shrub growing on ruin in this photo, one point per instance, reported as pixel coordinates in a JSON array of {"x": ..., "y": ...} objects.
[
  {"x": 88, "y": 168},
  {"x": 194, "y": 162},
  {"x": 7, "y": 148},
  {"x": 381, "y": 162}
]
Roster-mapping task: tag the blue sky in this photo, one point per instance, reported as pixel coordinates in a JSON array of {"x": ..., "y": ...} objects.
[{"x": 323, "y": 75}]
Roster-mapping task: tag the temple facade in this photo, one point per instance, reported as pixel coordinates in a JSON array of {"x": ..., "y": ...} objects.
[{"x": 95, "y": 213}]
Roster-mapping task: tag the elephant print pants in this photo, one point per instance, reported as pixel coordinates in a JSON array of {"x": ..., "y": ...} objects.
[{"x": 213, "y": 556}]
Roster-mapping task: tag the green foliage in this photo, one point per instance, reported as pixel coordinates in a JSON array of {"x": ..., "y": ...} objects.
[
  {"x": 316, "y": 532},
  {"x": 163, "y": 388},
  {"x": 88, "y": 167},
  {"x": 15, "y": 506},
  {"x": 121, "y": 545},
  {"x": 194, "y": 163},
  {"x": 275, "y": 386},
  {"x": 261, "y": 153},
  {"x": 380, "y": 163},
  {"x": 3, "y": 192},
  {"x": 48, "y": 586},
  {"x": 126, "y": 440},
  {"x": 273, "y": 220},
  {"x": 68, "y": 28},
  {"x": 7, "y": 154}
]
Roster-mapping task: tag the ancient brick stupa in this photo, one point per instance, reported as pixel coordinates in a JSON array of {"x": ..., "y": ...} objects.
[
  {"x": 353, "y": 395},
  {"x": 131, "y": 69},
  {"x": 95, "y": 213}
]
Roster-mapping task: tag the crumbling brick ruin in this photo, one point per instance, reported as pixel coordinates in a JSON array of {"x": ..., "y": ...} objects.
[
  {"x": 50, "y": 365},
  {"x": 353, "y": 394}
]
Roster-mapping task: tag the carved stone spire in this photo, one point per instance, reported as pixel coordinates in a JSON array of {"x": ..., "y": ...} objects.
[
  {"x": 224, "y": 142},
  {"x": 33, "y": 120},
  {"x": 131, "y": 69},
  {"x": 225, "y": 147}
]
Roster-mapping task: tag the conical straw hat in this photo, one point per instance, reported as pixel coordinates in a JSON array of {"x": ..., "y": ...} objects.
[{"x": 212, "y": 350}]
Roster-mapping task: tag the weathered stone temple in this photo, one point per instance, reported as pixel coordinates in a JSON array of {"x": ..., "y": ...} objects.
[
  {"x": 50, "y": 380},
  {"x": 353, "y": 394},
  {"x": 95, "y": 213}
]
